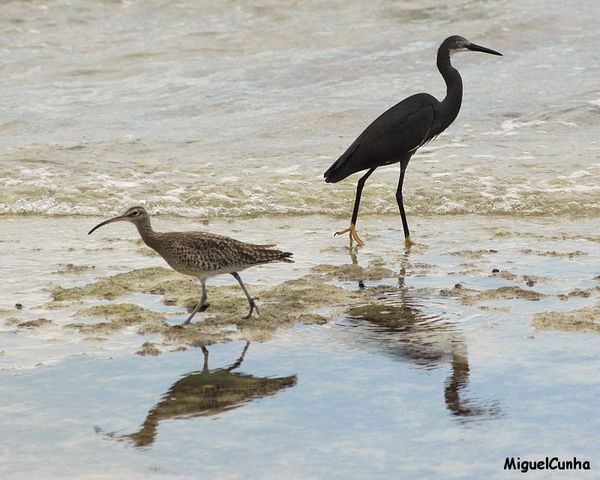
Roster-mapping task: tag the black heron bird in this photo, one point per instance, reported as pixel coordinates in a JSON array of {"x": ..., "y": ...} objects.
[{"x": 398, "y": 133}]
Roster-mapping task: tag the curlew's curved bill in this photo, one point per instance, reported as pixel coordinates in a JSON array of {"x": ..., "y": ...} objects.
[{"x": 105, "y": 222}]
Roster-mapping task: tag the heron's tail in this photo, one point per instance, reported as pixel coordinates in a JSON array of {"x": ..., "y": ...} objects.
[
  {"x": 335, "y": 174},
  {"x": 343, "y": 166}
]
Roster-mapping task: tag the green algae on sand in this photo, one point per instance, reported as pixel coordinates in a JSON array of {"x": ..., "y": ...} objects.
[
  {"x": 586, "y": 319},
  {"x": 468, "y": 296},
  {"x": 299, "y": 300},
  {"x": 473, "y": 254},
  {"x": 28, "y": 324},
  {"x": 354, "y": 272},
  {"x": 148, "y": 348},
  {"x": 119, "y": 316},
  {"x": 116, "y": 286},
  {"x": 75, "y": 269}
]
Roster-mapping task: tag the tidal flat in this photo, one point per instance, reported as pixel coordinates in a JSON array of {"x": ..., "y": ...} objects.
[
  {"x": 365, "y": 362},
  {"x": 439, "y": 361}
]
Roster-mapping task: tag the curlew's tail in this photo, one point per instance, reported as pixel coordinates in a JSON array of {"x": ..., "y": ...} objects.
[
  {"x": 258, "y": 254},
  {"x": 271, "y": 255},
  {"x": 286, "y": 257}
]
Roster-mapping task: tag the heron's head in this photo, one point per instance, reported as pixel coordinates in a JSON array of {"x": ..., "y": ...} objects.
[
  {"x": 456, "y": 43},
  {"x": 135, "y": 215}
]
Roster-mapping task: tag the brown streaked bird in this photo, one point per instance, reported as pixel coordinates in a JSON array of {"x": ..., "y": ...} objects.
[{"x": 201, "y": 254}]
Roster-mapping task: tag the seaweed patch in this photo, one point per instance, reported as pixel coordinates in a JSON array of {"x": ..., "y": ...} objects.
[
  {"x": 585, "y": 319},
  {"x": 299, "y": 300}
]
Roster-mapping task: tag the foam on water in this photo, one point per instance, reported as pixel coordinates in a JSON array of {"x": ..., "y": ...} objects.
[
  {"x": 202, "y": 194},
  {"x": 208, "y": 111}
]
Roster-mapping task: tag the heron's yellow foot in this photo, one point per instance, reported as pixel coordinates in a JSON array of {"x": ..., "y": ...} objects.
[
  {"x": 353, "y": 235},
  {"x": 408, "y": 241}
]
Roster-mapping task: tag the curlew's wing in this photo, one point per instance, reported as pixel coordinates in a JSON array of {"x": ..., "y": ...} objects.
[
  {"x": 193, "y": 251},
  {"x": 395, "y": 134}
]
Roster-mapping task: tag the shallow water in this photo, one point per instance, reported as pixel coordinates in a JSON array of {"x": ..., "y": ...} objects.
[
  {"x": 223, "y": 116},
  {"x": 353, "y": 414},
  {"x": 415, "y": 377}
]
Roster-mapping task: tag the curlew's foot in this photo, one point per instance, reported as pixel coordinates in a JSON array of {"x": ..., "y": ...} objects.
[
  {"x": 200, "y": 308},
  {"x": 353, "y": 235},
  {"x": 253, "y": 306},
  {"x": 408, "y": 242},
  {"x": 204, "y": 307}
]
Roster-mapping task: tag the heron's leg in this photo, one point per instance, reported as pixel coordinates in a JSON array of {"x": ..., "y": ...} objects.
[
  {"x": 201, "y": 306},
  {"x": 253, "y": 305},
  {"x": 352, "y": 228},
  {"x": 403, "y": 166}
]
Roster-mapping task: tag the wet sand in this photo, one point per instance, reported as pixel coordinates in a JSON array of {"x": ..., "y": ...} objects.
[
  {"x": 110, "y": 284},
  {"x": 449, "y": 349}
]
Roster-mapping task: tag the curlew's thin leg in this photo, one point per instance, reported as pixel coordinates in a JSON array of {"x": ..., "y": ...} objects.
[
  {"x": 239, "y": 361},
  {"x": 205, "y": 354},
  {"x": 253, "y": 305},
  {"x": 403, "y": 166},
  {"x": 201, "y": 306},
  {"x": 352, "y": 228}
]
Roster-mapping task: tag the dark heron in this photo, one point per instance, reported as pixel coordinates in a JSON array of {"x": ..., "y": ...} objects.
[{"x": 398, "y": 133}]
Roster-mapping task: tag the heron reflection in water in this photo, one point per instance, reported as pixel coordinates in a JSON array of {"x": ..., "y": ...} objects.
[
  {"x": 397, "y": 325},
  {"x": 207, "y": 392}
]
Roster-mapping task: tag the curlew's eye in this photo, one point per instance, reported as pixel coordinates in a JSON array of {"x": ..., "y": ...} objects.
[{"x": 135, "y": 213}]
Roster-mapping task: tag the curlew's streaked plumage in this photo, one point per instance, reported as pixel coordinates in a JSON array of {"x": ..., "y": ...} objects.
[{"x": 201, "y": 254}]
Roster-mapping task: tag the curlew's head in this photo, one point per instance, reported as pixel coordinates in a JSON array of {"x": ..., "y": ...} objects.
[
  {"x": 456, "y": 43},
  {"x": 135, "y": 215}
]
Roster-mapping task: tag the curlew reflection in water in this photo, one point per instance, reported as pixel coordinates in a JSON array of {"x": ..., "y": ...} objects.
[{"x": 207, "y": 392}]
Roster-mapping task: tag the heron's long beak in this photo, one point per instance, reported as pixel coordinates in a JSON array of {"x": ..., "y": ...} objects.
[
  {"x": 106, "y": 222},
  {"x": 479, "y": 48}
]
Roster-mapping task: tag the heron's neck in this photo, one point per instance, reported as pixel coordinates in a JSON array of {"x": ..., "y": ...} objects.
[{"x": 453, "y": 81}]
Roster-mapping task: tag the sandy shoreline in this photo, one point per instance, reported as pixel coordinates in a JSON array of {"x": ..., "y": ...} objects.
[{"x": 88, "y": 291}]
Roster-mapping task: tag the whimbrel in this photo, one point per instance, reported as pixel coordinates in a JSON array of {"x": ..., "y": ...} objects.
[{"x": 200, "y": 254}]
